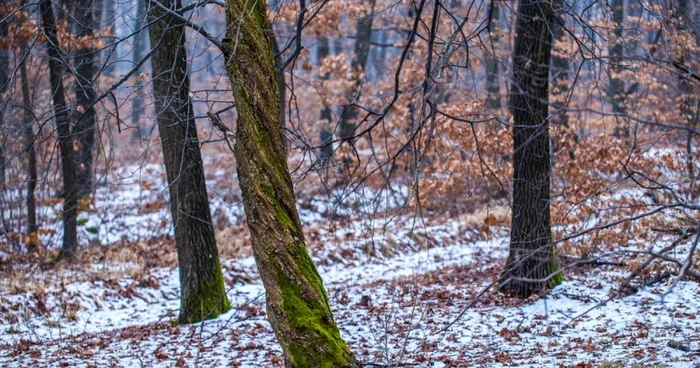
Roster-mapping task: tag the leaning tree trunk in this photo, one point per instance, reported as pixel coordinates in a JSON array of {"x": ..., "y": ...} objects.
[
  {"x": 70, "y": 199},
  {"x": 202, "y": 292},
  {"x": 29, "y": 137},
  {"x": 297, "y": 305},
  {"x": 87, "y": 65},
  {"x": 531, "y": 266}
]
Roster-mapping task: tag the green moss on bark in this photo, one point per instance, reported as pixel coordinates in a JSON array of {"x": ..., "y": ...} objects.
[{"x": 207, "y": 302}]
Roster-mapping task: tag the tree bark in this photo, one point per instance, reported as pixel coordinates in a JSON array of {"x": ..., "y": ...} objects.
[
  {"x": 29, "y": 137},
  {"x": 326, "y": 134},
  {"x": 202, "y": 292},
  {"x": 616, "y": 87},
  {"x": 70, "y": 200},
  {"x": 346, "y": 127},
  {"x": 297, "y": 305},
  {"x": 138, "y": 53},
  {"x": 87, "y": 65},
  {"x": 493, "y": 85},
  {"x": 531, "y": 264},
  {"x": 4, "y": 80}
]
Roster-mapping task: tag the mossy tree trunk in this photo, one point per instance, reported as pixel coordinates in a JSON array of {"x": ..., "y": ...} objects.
[
  {"x": 57, "y": 59},
  {"x": 531, "y": 266},
  {"x": 297, "y": 305},
  {"x": 202, "y": 292},
  {"x": 87, "y": 65}
]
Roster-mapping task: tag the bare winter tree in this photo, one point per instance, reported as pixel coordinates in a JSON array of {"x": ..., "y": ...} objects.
[
  {"x": 297, "y": 305},
  {"x": 57, "y": 59},
  {"x": 202, "y": 292},
  {"x": 531, "y": 265}
]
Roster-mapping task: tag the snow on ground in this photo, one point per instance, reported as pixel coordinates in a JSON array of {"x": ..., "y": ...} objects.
[{"x": 390, "y": 310}]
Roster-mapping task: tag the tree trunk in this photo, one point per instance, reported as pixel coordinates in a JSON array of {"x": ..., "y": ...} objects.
[
  {"x": 616, "y": 87},
  {"x": 297, "y": 305},
  {"x": 346, "y": 127},
  {"x": 493, "y": 85},
  {"x": 202, "y": 292},
  {"x": 70, "y": 201},
  {"x": 138, "y": 53},
  {"x": 326, "y": 134},
  {"x": 531, "y": 263},
  {"x": 560, "y": 75},
  {"x": 4, "y": 81},
  {"x": 29, "y": 137},
  {"x": 87, "y": 60}
]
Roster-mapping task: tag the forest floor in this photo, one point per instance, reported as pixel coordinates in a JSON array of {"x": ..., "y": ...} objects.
[{"x": 405, "y": 291}]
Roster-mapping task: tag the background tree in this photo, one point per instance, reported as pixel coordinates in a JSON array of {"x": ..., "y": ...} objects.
[
  {"x": 57, "y": 60},
  {"x": 297, "y": 305},
  {"x": 202, "y": 292},
  {"x": 30, "y": 149},
  {"x": 531, "y": 264},
  {"x": 87, "y": 65}
]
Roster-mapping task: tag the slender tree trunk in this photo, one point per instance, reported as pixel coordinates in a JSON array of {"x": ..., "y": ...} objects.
[
  {"x": 109, "y": 54},
  {"x": 326, "y": 133},
  {"x": 297, "y": 305},
  {"x": 616, "y": 87},
  {"x": 531, "y": 262},
  {"x": 138, "y": 53},
  {"x": 29, "y": 137},
  {"x": 560, "y": 75},
  {"x": 87, "y": 65},
  {"x": 346, "y": 127},
  {"x": 4, "y": 80},
  {"x": 56, "y": 60},
  {"x": 493, "y": 84},
  {"x": 202, "y": 292}
]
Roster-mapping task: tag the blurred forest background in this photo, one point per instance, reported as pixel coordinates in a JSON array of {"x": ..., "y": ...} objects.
[{"x": 469, "y": 155}]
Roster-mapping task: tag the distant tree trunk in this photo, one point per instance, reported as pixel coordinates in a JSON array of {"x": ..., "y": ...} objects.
[
  {"x": 560, "y": 74},
  {"x": 138, "y": 53},
  {"x": 4, "y": 80},
  {"x": 87, "y": 65},
  {"x": 616, "y": 87},
  {"x": 281, "y": 85},
  {"x": 202, "y": 292},
  {"x": 297, "y": 305},
  {"x": 109, "y": 54},
  {"x": 493, "y": 85},
  {"x": 346, "y": 126},
  {"x": 689, "y": 102},
  {"x": 531, "y": 262},
  {"x": 56, "y": 60},
  {"x": 29, "y": 138},
  {"x": 326, "y": 134}
]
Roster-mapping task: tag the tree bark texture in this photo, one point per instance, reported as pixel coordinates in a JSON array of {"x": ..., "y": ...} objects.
[
  {"x": 297, "y": 305},
  {"x": 531, "y": 264},
  {"x": 87, "y": 65},
  {"x": 70, "y": 199},
  {"x": 202, "y": 292}
]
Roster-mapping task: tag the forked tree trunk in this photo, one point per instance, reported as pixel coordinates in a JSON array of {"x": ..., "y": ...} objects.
[
  {"x": 29, "y": 137},
  {"x": 87, "y": 65},
  {"x": 57, "y": 58},
  {"x": 297, "y": 305},
  {"x": 531, "y": 266},
  {"x": 202, "y": 292}
]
